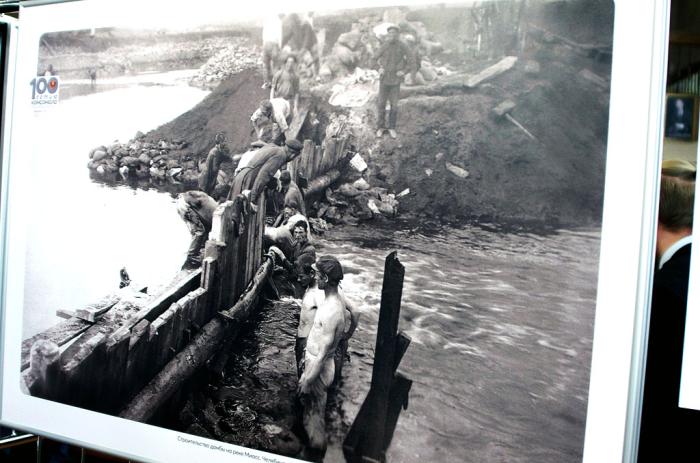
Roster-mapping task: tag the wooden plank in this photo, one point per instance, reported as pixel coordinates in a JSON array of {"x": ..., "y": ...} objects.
[
  {"x": 137, "y": 359},
  {"x": 112, "y": 383},
  {"x": 78, "y": 371},
  {"x": 39, "y": 378},
  {"x": 160, "y": 338},
  {"x": 402, "y": 343},
  {"x": 59, "y": 334},
  {"x": 358, "y": 435},
  {"x": 184, "y": 283},
  {"x": 384, "y": 354},
  {"x": 318, "y": 156},
  {"x": 490, "y": 72},
  {"x": 307, "y": 159},
  {"x": 398, "y": 399},
  {"x": 94, "y": 310},
  {"x": 328, "y": 153},
  {"x": 298, "y": 119},
  {"x": 190, "y": 359},
  {"x": 65, "y": 313}
]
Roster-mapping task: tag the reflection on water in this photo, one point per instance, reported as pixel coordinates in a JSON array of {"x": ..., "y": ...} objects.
[
  {"x": 80, "y": 233},
  {"x": 501, "y": 326}
]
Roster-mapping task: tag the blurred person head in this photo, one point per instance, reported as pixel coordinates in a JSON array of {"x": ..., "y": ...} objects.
[
  {"x": 676, "y": 200},
  {"x": 290, "y": 62},
  {"x": 392, "y": 33},
  {"x": 304, "y": 268}
]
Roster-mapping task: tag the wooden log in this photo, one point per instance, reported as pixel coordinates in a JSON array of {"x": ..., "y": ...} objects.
[
  {"x": 490, "y": 72},
  {"x": 320, "y": 183},
  {"x": 443, "y": 86},
  {"x": 197, "y": 352}
]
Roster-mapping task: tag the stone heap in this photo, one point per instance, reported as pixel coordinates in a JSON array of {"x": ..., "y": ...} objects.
[
  {"x": 144, "y": 160},
  {"x": 236, "y": 57}
]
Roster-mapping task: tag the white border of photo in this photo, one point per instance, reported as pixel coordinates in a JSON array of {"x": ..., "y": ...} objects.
[{"x": 633, "y": 159}]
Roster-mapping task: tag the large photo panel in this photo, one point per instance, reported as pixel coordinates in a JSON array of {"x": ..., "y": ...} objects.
[{"x": 213, "y": 268}]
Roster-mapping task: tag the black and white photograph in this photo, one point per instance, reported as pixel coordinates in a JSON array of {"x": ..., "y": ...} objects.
[{"x": 366, "y": 234}]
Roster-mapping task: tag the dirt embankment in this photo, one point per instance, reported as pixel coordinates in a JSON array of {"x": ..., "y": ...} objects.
[
  {"x": 227, "y": 109},
  {"x": 556, "y": 179},
  {"x": 458, "y": 159}
]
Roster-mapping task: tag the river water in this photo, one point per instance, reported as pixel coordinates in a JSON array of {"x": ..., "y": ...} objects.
[
  {"x": 501, "y": 326},
  {"x": 501, "y": 322},
  {"x": 80, "y": 232}
]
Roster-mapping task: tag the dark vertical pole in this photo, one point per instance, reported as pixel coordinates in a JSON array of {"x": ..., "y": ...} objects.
[{"x": 383, "y": 370}]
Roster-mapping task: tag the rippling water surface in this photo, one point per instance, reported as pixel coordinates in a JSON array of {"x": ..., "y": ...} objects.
[{"x": 501, "y": 326}]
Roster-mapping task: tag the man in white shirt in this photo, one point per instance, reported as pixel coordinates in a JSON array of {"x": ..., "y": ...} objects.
[
  {"x": 272, "y": 44},
  {"x": 276, "y": 110}
]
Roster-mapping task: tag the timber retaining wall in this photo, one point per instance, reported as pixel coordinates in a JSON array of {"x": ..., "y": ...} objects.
[{"x": 102, "y": 365}]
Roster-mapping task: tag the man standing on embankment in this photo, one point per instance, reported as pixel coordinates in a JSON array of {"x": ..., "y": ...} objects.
[{"x": 394, "y": 60}]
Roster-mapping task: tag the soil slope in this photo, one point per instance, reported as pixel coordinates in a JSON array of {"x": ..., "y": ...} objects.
[{"x": 227, "y": 109}]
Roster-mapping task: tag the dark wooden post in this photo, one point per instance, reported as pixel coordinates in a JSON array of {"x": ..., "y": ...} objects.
[{"x": 373, "y": 428}]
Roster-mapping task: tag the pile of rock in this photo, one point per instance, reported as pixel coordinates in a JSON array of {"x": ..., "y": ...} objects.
[
  {"x": 356, "y": 201},
  {"x": 358, "y": 47},
  {"x": 143, "y": 160},
  {"x": 233, "y": 59},
  {"x": 352, "y": 49}
]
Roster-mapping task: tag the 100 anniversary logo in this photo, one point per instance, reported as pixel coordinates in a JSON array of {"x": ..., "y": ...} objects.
[{"x": 45, "y": 90}]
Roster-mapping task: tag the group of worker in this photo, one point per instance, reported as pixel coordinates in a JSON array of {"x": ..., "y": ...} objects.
[{"x": 327, "y": 319}]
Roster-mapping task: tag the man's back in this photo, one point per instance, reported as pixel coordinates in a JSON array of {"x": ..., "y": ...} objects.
[{"x": 661, "y": 414}]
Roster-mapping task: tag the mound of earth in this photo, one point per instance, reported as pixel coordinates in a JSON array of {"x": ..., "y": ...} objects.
[
  {"x": 462, "y": 162},
  {"x": 226, "y": 109}
]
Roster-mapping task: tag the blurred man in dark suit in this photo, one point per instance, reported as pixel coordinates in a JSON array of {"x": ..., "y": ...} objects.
[{"x": 665, "y": 427}]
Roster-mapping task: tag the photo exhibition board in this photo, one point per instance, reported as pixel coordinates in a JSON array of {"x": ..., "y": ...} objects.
[{"x": 48, "y": 195}]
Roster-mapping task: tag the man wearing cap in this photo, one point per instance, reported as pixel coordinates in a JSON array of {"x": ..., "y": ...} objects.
[
  {"x": 261, "y": 168},
  {"x": 394, "y": 60},
  {"x": 218, "y": 154},
  {"x": 327, "y": 330},
  {"x": 292, "y": 193}
]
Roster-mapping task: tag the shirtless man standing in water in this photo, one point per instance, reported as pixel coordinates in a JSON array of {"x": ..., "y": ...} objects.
[
  {"x": 327, "y": 330},
  {"x": 313, "y": 297}
]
